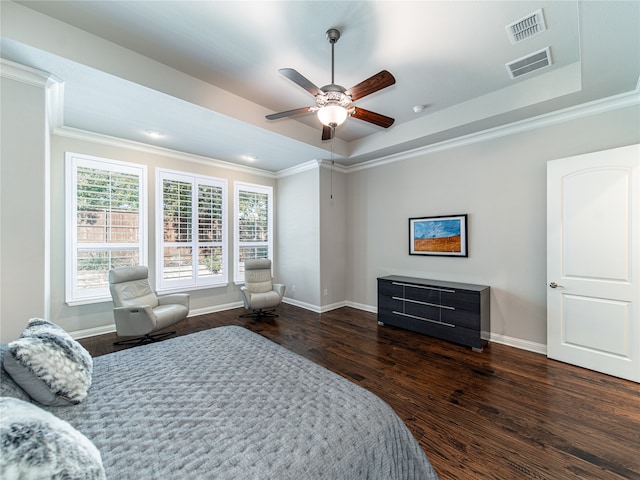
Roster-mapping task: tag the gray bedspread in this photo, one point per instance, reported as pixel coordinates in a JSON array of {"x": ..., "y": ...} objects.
[{"x": 229, "y": 404}]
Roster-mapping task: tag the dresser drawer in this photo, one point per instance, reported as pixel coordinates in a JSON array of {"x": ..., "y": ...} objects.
[
  {"x": 390, "y": 289},
  {"x": 422, "y": 294},
  {"x": 425, "y": 312},
  {"x": 461, "y": 300},
  {"x": 389, "y": 303},
  {"x": 461, "y": 318}
]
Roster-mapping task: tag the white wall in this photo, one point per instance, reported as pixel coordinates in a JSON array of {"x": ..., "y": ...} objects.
[
  {"x": 298, "y": 240},
  {"x": 333, "y": 237},
  {"x": 312, "y": 237},
  {"x": 23, "y": 205},
  {"x": 501, "y": 184}
]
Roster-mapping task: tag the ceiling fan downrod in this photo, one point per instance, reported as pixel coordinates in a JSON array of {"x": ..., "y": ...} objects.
[{"x": 333, "y": 35}]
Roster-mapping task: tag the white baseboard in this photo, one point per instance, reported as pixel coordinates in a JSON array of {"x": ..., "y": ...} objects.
[
  {"x": 214, "y": 309},
  {"x": 332, "y": 306},
  {"x": 491, "y": 337},
  {"x": 534, "y": 347},
  {"x": 92, "y": 332},
  {"x": 362, "y": 306},
  {"x": 298, "y": 303},
  {"x": 313, "y": 308}
]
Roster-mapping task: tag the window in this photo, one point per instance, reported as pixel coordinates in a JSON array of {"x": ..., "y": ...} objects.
[
  {"x": 106, "y": 223},
  {"x": 253, "y": 225},
  {"x": 191, "y": 233}
]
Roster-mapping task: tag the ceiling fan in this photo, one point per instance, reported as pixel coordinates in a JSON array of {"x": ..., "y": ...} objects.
[{"x": 334, "y": 102}]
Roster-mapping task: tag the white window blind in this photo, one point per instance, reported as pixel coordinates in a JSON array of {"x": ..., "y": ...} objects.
[
  {"x": 106, "y": 223},
  {"x": 253, "y": 225},
  {"x": 191, "y": 231}
]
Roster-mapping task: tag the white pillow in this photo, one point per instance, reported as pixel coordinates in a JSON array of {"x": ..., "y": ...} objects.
[
  {"x": 49, "y": 365},
  {"x": 37, "y": 445}
]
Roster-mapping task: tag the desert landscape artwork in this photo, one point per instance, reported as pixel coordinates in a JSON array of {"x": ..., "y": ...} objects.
[{"x": 438, "y": 236}]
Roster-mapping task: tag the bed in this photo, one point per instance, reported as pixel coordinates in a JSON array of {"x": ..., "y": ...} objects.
[{"x": 227, "y": 403}]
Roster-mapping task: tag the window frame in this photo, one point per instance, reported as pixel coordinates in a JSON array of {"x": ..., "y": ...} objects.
[
  {"x": 238, "y": 271},
  {"x": 195, "y": 282},
  {"x": 74, "y": 161}
]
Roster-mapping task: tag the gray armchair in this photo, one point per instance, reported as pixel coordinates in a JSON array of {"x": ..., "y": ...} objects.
[
  {"x": 138, "y": 311},
  {"x": 259, "y": 293}
]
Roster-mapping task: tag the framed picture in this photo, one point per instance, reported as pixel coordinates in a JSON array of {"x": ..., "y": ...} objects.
[{"x": 442, "y": 236}]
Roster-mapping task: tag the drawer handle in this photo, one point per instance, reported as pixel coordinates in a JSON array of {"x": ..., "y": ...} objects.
[
  {"x": 424, "y": 319},
  {"x": 423, "y": 287},
  {"x": 416, "y": 302},
  {"x": 437, "y": 305}
]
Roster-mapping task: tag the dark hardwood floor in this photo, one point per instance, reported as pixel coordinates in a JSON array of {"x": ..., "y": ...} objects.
[{"x": 501, "y": 414}]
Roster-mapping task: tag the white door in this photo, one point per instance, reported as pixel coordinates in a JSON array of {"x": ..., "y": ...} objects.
[{"x": 593, "y": 261}]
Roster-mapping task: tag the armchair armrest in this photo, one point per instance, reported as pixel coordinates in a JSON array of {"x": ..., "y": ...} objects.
[
  {"x": 279, "y": 288},
  {"x": 134, "y": 320},
  {"x": 174, "y": 298},
  {"x": 246, "y": 296}
]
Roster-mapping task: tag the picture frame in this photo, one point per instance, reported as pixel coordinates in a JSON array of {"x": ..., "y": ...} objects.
[{"x": 444, "y": 235}]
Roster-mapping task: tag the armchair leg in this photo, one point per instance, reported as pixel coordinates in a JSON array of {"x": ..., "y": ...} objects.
[
  {"x": 260, "y": 314},
  {"x": 148, "y": 338}
]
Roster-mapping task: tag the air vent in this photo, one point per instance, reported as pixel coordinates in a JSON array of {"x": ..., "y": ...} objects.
[
  {"x": 526, "y": 27},
  {"x": 530, "y": 63}
]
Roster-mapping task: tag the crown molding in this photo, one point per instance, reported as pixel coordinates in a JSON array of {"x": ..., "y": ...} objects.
[
  {"x": 24, "y": 74},
  {"x": 332, "y": 166},
  {"x": 55, "y": 105},
  {"x": 78, "y": 134},
  {"x": 616, "y": 102},
  {"x": 303, "y": 167},
  {"x": 336, "y": 167},
  {"x": 311, "y": 165},
  {"x": 53, "y": 86}
]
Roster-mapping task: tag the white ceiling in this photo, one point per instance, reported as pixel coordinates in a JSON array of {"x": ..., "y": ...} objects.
[{"x": 205, "y": 73}]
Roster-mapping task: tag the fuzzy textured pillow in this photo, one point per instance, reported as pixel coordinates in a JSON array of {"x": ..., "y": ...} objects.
[
  {"x": 38, "y": 445},
  {"x": 9, "y": 388},
  {"x": 49, "y": 365}
]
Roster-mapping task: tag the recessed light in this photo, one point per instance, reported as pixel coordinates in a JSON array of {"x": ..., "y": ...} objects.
[
  {"x": 418, "y": 108},
  {"x": 154, "y": 133},
  {"x": 250, "y": 158}
]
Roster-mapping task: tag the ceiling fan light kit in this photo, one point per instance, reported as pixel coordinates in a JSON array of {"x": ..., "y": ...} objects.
[
  {"x": 332, "y": 115},
  {"x": 333, "y": 106},
  {"x": 334, "y": 103}
]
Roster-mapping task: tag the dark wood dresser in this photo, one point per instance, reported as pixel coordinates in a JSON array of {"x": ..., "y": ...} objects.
[{"x": 457, "y": 312}]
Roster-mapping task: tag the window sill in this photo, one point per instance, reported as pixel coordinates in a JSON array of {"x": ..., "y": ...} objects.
[
  {"x": 87, "y": 301},
  {"x": 183, "y": 289}
]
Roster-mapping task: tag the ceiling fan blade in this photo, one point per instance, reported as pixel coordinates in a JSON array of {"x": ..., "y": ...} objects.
[
  {"x": 373, "y": 117},
  {"x": 327, "y": 133},
  {"x": 372, "y": 84},
  {"x": 290, "y": 113},
  {"x": 298, "y": 79}
]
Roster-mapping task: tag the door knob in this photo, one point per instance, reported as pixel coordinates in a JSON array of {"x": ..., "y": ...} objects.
[{"x": 555, "y": 285}]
